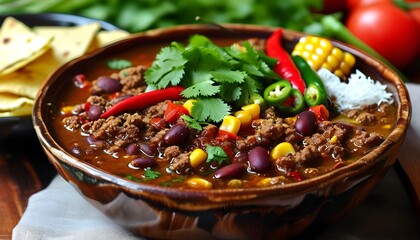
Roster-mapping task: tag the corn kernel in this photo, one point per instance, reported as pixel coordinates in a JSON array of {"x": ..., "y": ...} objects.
[
  {"x": 253, "y": 109},
  {"x": 281, "y": 150},
  {"x": 66, "y": 110},
  {"x": 244, "y": 117},
  {"x": 230, "y": 124},
  {"x": 264, "y": 182},
  {"x": 386, "y": 126},
  {"x": 199, "y": 183},
  {"x": 234, "y": 183},
  {"x": 334, "y": 139},
  {"x": 188, "y": 104},
  {"x": 320, "y": 52},
  {"x": 197, "y": 157},
  {"x": 339, "y": 73}
]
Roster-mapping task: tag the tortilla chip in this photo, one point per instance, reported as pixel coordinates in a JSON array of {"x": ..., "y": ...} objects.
[
  {"x": 104, "y": 38},
  {"x": 24, "y": 110},
  {"x": 13, "y": 105},
  {"x": 27, "y": 80},
  {"x": 19, "y": 46},
  {"x": 10, "y": 101},
  {"x": 69, "y": 42}
]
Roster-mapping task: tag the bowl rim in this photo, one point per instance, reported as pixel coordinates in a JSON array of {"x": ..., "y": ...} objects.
[{"x": 220, "y": 195}]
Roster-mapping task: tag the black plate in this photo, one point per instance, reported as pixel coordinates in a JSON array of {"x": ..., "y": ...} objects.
[{"x": 17, "y": 127}]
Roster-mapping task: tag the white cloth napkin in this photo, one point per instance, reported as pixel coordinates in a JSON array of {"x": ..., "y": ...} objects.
[{"x": 59, "y": 212}]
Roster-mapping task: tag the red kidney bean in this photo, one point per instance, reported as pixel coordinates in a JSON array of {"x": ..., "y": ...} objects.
[
  {"x": 177, "y": 135},
  {"x": 94, "y": 112},
  {"x": 108, "y": 84},
  {"x": 233, "y": 170},
  {"x": 306, "y": 123},
  {"x": 147, "y": 149},
  {"x": 93, "y": 142},
  {"x": 143, "y": 162},
  {"x": 258, "y": 159},
  {"x": 345, "y": 127},
  {"x": 240, "y": 157},
  {"x": 132, "y": 149}
]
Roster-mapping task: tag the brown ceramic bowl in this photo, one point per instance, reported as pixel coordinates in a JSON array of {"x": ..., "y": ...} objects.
[{"x": 275, "y": 212}]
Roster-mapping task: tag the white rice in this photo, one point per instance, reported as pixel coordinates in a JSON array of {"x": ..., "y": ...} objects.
[{"x": 360, "y": 90}]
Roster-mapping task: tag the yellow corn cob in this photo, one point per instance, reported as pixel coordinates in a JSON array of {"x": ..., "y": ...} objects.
[{"x": 319, "y": 52}]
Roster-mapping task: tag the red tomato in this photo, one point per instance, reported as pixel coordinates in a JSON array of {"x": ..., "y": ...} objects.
[
  {"x": 415, "y": 12},
  {"x": 353, "y": 4},
  {"x": 389, "y": 30}
]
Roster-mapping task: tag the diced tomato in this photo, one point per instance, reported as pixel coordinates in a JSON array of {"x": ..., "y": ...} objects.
[
  {"x": 158, "y": 123},
  {"x": 321, "y": 112},
  {"x": 223, "y": 135},
  {"x": 173, "y": 112}
]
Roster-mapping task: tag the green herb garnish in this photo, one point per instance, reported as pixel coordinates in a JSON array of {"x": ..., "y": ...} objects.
[
  {"x": 118, "y": 64},
  {"x": 216, "y": 153},
  {"x": 175, "y": 180},
  {"x": 150, "y": 175},
  {"x": 192, "y": 123},
  {"x": 218, "y": 78}
]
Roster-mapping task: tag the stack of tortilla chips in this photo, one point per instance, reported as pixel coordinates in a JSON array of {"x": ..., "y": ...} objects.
[{"x": 28, "y": 56}]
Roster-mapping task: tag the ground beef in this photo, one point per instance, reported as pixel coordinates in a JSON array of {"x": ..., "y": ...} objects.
[
  {"x": 367, "y": 119},
  {"x": 157, "y": 139},
  {"x": 71, "y": 123},
  {"x": 366, "y": 140},
  {"x": 181, "y": 163},
  {"x": 271, "y": 129},
  {"x": 122, "y": 130},
  {"x": 132, "y": 78},
  {"x": 155, "y": 111},
  {"x": 97, "y": 100},
  {"x": 171, "y": 152},
  {"x": 270, "y": 112}
]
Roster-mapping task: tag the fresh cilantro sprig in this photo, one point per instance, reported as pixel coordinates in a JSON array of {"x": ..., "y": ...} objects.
[
  {"x": 218, "y": 78},
  {"x": 216, "y": 153}
]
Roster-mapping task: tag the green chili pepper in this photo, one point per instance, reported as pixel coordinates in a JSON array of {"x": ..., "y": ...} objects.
[
  {"x": 315, "y": 93},
  {"x": 258, "y": 99},
  {"x": 314, "y": 96},
  {"x": 297, "y": 106},
  {"x": 277, "y": 93}
]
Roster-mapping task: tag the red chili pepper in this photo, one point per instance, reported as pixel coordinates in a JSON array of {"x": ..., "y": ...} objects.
[
  {"x": 285, "y": 66},
  {"x": 173, "y": 112},
  {"x": 296, "y": 175},
  {"x": 144, "y": 100}
]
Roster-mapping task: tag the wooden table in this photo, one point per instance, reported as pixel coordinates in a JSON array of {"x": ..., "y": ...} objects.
[{"x": 25, "y": 170}]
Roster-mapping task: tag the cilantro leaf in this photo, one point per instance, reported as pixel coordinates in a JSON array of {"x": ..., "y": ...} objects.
[
  {"x": 168, "y": 68},
  {"x": 204, "y": 89},
  {"x": 230, "y": 92},
  {"x": 175, "y": 180},
  {"x": 118, "y": 64},
  {"x": 192, "y": 123},
  {"x": 227, "y": 75},
  {"x": 150, "y": 175},
  {"x": 213, "y": 109},
  {"x": 216, "y": 153}
]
